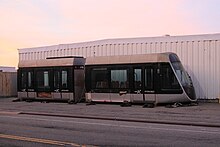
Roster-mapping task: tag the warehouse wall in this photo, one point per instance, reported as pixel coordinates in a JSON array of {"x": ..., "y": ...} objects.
[{"x": 198, "y": 53}]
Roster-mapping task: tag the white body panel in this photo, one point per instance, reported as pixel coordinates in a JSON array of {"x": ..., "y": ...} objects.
[{"x": 199, "y": 54}]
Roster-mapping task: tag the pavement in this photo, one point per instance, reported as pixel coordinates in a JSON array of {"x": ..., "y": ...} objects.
[{"x": 203, "y": 114}]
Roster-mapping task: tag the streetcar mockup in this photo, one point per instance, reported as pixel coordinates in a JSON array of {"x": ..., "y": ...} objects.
[
  {"x": 146, "y": 78},
  {"x": 60, "y": 78}
]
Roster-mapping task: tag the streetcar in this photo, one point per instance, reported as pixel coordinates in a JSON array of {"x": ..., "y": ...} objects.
[
  {"x": 146, "y": 78},
  {"x": 55, "y": 78}
]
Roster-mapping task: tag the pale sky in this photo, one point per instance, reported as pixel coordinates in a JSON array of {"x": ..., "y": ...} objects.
[{"x": 33, "y": 23}]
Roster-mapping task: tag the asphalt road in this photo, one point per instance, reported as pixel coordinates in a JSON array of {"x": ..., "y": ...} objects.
[
  {"x": 60, "y": 124},
  {"x": 27, "y": 130},
  {"x": 205, "y": 114}
]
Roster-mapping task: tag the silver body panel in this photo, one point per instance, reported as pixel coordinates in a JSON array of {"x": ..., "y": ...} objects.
[
  {"x": 56, "y": 95},
  {"x": 98, "y": 97},
  {"x": 67, "y": 95},
  {"x": 52, "y": 62},
  {"x": 137, "y": 98},
  {"x": 116, "y": 97},
  {"x": 22, "y": 95},
  {"x": 126, "y": 59},
  {"x": 31, "y": 94},
  {"x": 171, "y": 98},
  {"x": 141, "y": 97}
]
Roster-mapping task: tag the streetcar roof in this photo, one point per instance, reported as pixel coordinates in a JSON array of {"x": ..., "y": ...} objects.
[
  {"x": 129, "y": 59},
  {"x": 52, "y": 62}
]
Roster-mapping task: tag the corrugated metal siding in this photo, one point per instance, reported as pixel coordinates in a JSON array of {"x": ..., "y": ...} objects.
[{"x": 198, "y": 53}]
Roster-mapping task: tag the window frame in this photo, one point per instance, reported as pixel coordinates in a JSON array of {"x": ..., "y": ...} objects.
[
  {"x": 176, "y": 89},
  {"x": 38, "y": 79}
]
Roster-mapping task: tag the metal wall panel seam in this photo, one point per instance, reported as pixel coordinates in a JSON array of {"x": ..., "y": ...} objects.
[
  {"x": 218, "y": 71},
  {"x": 212, "y": 60}
]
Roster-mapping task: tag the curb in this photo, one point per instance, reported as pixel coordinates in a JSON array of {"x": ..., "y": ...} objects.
[{"x": 199, "y": 124}]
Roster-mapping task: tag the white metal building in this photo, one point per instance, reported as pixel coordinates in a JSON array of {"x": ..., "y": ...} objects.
[
  {"x": 200, "y": 55},
  {"x": 7, "y": 69}
]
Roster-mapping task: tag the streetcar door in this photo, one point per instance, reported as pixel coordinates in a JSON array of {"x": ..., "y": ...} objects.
[
  {"x": 168, "y": 84},
  {"x": 56, "y": 84},
  {"x": 22, "y": 83},
  {"x": 30, "y": 84},
  {"x": 64, "y": 84},
  {"x": 137, "y": 95},
  {"x": 44, "y": 83},
  {"x": 149, "y": 84},
  {"x": 144, "y": 85},
  {"x": 26, "y": 83},
  {"x": 63, "y": 87}
]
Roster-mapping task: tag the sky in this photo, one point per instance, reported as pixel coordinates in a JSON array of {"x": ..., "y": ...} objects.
[{"x": 34, "y": 23}]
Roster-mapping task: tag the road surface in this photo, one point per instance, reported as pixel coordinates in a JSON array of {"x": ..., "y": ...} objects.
[{"x": 27, "y": 130}]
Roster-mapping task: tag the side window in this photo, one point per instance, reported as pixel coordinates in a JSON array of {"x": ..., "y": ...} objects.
[
  {"x": 26, "y": 79},
  {"x": 64, "y": 82},
  {"x": 56, "y": 79},
  {"x": 137, "y": 79},
  {"x": 168, "y": 79},
  {"x": 30, "y": 75},
  {"x": 149, "y": 78},
  {"x": 23, "y": 79},
  {"x": 99, "y": 78},
  {"x": 62, "y": 78},
  {"x": 43, "y": 79},
  {"x": 119, "y": 78}
]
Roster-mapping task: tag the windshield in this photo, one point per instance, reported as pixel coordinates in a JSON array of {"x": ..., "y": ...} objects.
[
  {"x": 182, "y": 75},
  {"x": 179, "y": 70}
]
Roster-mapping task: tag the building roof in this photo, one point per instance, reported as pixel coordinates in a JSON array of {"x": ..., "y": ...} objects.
[
  {"x": 7, "y": 69},
  {"x": 165, "y": 38}
]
